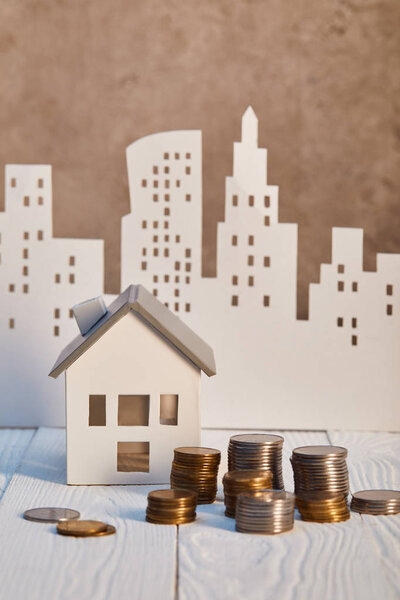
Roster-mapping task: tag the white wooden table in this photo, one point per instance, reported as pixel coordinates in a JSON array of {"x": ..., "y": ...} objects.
[{"x": 358, "y": 559}]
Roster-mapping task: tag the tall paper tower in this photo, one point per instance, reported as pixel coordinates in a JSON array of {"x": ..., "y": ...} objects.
[
  {"x": 161, "y": 237},
  {"x": 41, "y": 277},
  {"x": 257, "y": 255}
]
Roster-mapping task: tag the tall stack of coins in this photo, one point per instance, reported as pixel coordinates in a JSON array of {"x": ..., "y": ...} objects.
[
  {"x": 196, "y": 469},
  {"x": 321, "y": 483},
  {"x": 320, "y": 471},
  {"x": 171, "y": 507},
  {"x": 257, "y": 451},
  {"x": 376, "y": 502},
  {"x": 266, "y": 511},
  {"x": 236, "y": 482}
]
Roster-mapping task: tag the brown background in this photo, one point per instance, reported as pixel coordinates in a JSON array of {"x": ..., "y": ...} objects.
[{"x": 81, "y": 79}]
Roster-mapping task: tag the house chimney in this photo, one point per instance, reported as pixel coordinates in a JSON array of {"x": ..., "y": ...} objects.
[{"x": 88, "y": 313}]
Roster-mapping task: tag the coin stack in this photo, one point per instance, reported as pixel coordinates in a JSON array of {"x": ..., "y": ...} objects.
[
  {"x": 320, "y": 471},
  {"x": 266, "y": 511},
  {"x": 236, "y": 482},
  {"x": 257, "y": 451},
  {"x": 171, "y": 507},
  {"x": 196, "y": 469},
  {"x": 321, "y": 483},
  {"x": 376, "y": 502},
  {"x": 326, "y": 510}
]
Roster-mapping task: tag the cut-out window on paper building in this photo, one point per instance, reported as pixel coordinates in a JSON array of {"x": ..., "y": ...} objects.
[
  {"x": 133, "y": 410},
  {"x": 97, "y": 410},
  {"x": 169, "y": 409},
  {"x": 133, "y": 457}
]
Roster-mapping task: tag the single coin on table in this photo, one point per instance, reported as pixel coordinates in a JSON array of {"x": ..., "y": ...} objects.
[
  {"x": 109, "y": 531},
  {"x": 51, "y": 515},
  {"x": 81, "y": 528}
]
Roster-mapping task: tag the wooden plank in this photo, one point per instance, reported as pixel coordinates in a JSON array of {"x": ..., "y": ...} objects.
[
  {"x": 374, "y": 462},
  {"x": 138, "y": 562},
  {"x": 13, "y": 443},
  {"x": 313, "y": 561}
]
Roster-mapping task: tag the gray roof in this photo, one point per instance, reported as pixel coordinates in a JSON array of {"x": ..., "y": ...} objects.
[{"x": 137, "y": 299}]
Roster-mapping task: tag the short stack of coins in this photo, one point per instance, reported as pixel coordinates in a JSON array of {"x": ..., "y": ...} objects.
[
  {"x": 326, "y": 510},
  {"x": 76, "y": 528},
  {"x": 321, "y": 483},
  {"x": 257, "y": 451},
  {"x": 171, "y": 507},
  {"x": 376, "y": 502},
  {"x": 237, "y": 482},
  {"x": 196, "y": 469},
  {"x": 265, "y": 512}
]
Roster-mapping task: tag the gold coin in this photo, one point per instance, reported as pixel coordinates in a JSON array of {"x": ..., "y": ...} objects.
[
  {"x": 169, "y": 521},
  {"x": 173, "y": 496},
  {"x": 109, "y": 531},
  {"x": 172, "y": 512},
  {"x": 81, "y": 528},
  {"x": 197, "y": 452}
]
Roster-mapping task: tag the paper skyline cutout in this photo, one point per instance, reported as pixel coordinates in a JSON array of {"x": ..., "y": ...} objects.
[{"x": 339, "y": 369}]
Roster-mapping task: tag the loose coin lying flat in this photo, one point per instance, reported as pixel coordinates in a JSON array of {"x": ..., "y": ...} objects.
[
  {"x": 81, "y": 528},
  {"x": 109, "y": 531},
  {"x": 50, "y": 515}
]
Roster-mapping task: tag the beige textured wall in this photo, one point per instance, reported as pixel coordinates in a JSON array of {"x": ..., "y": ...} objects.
[{"x": 81, "y": 79}]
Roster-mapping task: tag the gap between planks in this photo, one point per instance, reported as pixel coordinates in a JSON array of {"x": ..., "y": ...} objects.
[{"x": 374, "y": 461}]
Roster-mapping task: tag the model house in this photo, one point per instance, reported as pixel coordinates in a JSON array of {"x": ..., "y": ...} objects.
[{"x": 132, "y": 381}]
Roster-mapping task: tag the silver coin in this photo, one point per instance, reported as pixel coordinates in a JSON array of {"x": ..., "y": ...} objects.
[
  {"x": 377, "y": 495},
  {"x": 321, "y": 452},
  {"x": 51, "y": 515}
]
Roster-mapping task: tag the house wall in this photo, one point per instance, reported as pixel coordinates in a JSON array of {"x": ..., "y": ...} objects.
[{"x": 131, "y": 358}]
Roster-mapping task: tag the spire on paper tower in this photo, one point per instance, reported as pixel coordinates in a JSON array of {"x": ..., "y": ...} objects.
[{"x": 249, "y": 127}]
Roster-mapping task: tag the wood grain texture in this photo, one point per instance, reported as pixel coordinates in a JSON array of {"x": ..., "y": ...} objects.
[
  {"x": 13, "y": 443},
  {"x": 355, "y": 560},
  {"x": 312, "y": 561},
  {"x": 36, "y": 562},
  {"x": 374, "y": 462}
]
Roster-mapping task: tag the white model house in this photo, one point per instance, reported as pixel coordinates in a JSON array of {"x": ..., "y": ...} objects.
[{"x": 132, "y": 381}]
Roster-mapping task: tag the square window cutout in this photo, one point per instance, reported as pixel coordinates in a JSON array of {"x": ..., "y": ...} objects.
[
  {"x": 169, "y": 409},
  {"x": 133, "y": 457},
  {"x": 133, "y": 409}
]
